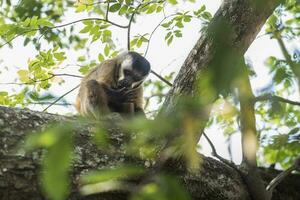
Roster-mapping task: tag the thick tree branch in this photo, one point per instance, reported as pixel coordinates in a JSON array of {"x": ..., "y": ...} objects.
[{"x": 19, "y": 172}]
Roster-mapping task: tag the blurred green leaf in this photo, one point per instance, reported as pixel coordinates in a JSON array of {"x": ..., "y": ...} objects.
[
  {"x": 115, "y": 7},
  {"x": 164, "y": 188},
  {"x": 120, "y": 172}
]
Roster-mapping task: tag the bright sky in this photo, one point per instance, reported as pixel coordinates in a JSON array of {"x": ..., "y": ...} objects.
[{"x": 164, "y": 59}]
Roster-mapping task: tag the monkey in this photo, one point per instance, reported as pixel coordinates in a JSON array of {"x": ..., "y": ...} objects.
[{"x": 114, "y": 86}]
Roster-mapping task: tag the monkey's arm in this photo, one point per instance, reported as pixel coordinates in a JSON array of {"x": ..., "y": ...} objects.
[{"x": 92, "y": 99}]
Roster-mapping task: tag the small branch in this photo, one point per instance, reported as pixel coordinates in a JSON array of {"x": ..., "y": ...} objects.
[
  {"x": 90, "y": 19},
  {"x": 64, "y": 74},
  {"x": 47, "y": 103},
  {"x": 141, "y": 5},
  {"x": 270, "y": 97},
  {"x": 288, "y": 57},
  {"x": 215, "y": 154},
  {"x": 129, "y": 25},
  {"x": 107, "y": 11},
  {"x": 161, "y": 78},
  {"x": 41, "y": 80},
  {"x": 91, "y": 4},
  {"x": 280, "y": 177},
  {"x": 154, "y": 30},
  {"x": 62, "y": 96}
]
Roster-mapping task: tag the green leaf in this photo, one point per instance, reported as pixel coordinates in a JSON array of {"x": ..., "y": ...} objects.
[
  {"x": 80, "y": 8},
  {"x": 178, "y": 34},
  {"x": 33, "y": 21},
  {"x": 123, "y": 10},
  {"x": 115, "y": 7},
  {"x": 45, "y": 22},
  {"x": 169, "y": 41},
  {"x": 139, "y": 43},
  {"x": 86, "y": 29},
  {"x": 56, "y": 166},
  {"x": 206, "y": 15},
  {"x": 173, "y": 2},
  {"x": 81, "y": 59},
  {"x": 103, "y": 175},
  {"x": 60, "y": 56},
  {"x": 3, "y": 93},
  {"x": 159, "y": 9},
  {"x": 84, "y": 69},
  {"x": 164, "y": 188},
  {"x": 179, "y": 24},
  {"x": 26, "y": 22},
  {"x": 24, "y": 75},
  {"x": 128, "y": 2},
  {"x": 151, "y": 9},
  {"x": 101, "y": 57},
  {"x": 168, "y": 35},
  {"x": 106, "y": 50},
  {"x": 166, "y": 25},
  {"x": 203, "y": 8},
  {"x": 187, "y": 18},
  {"x": 106, "y": 33}
]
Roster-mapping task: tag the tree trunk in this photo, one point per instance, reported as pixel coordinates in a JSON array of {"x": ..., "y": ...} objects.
[
  {"x": 245, "y": 18},
  {"x": 19, "y": 179}
]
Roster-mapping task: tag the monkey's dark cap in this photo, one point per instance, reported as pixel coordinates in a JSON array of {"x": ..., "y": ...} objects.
[{"x": 140, "y": 63}]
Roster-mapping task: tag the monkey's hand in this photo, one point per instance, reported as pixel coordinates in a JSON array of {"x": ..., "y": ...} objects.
[{"x": 122, "y": 95}]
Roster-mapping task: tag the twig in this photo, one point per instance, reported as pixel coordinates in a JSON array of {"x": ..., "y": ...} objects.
[
  {"x": 280, "y": 177},
  {"x": 129, "y": 25},
  {"x": 275, "y": 98},
  {"x": 64, "y": 74},
  {"x": 91, "y": 4},
  {"x": 90, "y": 19},
  {"x": 161, "y": 78},
  {"x": 107, "y": 11},
  {"x": 47, "y": 103},
  {"x": 141, "y": 5},
  {"x": 154, "y": 30},
  {"x": 215, "y": 154},
  {"x": 41, "y": 80},
  {"x": 62, "y": 96}
]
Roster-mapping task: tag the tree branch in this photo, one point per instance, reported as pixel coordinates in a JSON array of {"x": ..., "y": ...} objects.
[
  {"x": 154, "y": 30},
  {"x": 19, "y": 172},
  {"x": 271, "y": 97},
  {"x": 62, "y": 96},
  {"x": 63, "y": 25}
]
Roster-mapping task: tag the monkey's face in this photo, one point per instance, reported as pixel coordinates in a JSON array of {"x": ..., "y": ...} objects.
[{"x": 133, "y": 71}]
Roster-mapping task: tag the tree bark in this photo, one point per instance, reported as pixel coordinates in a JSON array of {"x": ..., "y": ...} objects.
[{"x": 19, "y": 171}]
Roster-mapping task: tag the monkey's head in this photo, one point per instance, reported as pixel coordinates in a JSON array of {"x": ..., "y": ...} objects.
[{"x": 133, "y": 70}]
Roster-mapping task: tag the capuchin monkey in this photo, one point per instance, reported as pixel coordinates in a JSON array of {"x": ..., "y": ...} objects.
[{"x": 114, "y": 86}]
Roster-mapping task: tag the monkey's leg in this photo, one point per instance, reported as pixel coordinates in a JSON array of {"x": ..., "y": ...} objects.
[{"x": 97, "y": 98}]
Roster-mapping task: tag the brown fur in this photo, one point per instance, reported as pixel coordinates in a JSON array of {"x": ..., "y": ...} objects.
[{"x": 92, "y": 99}]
